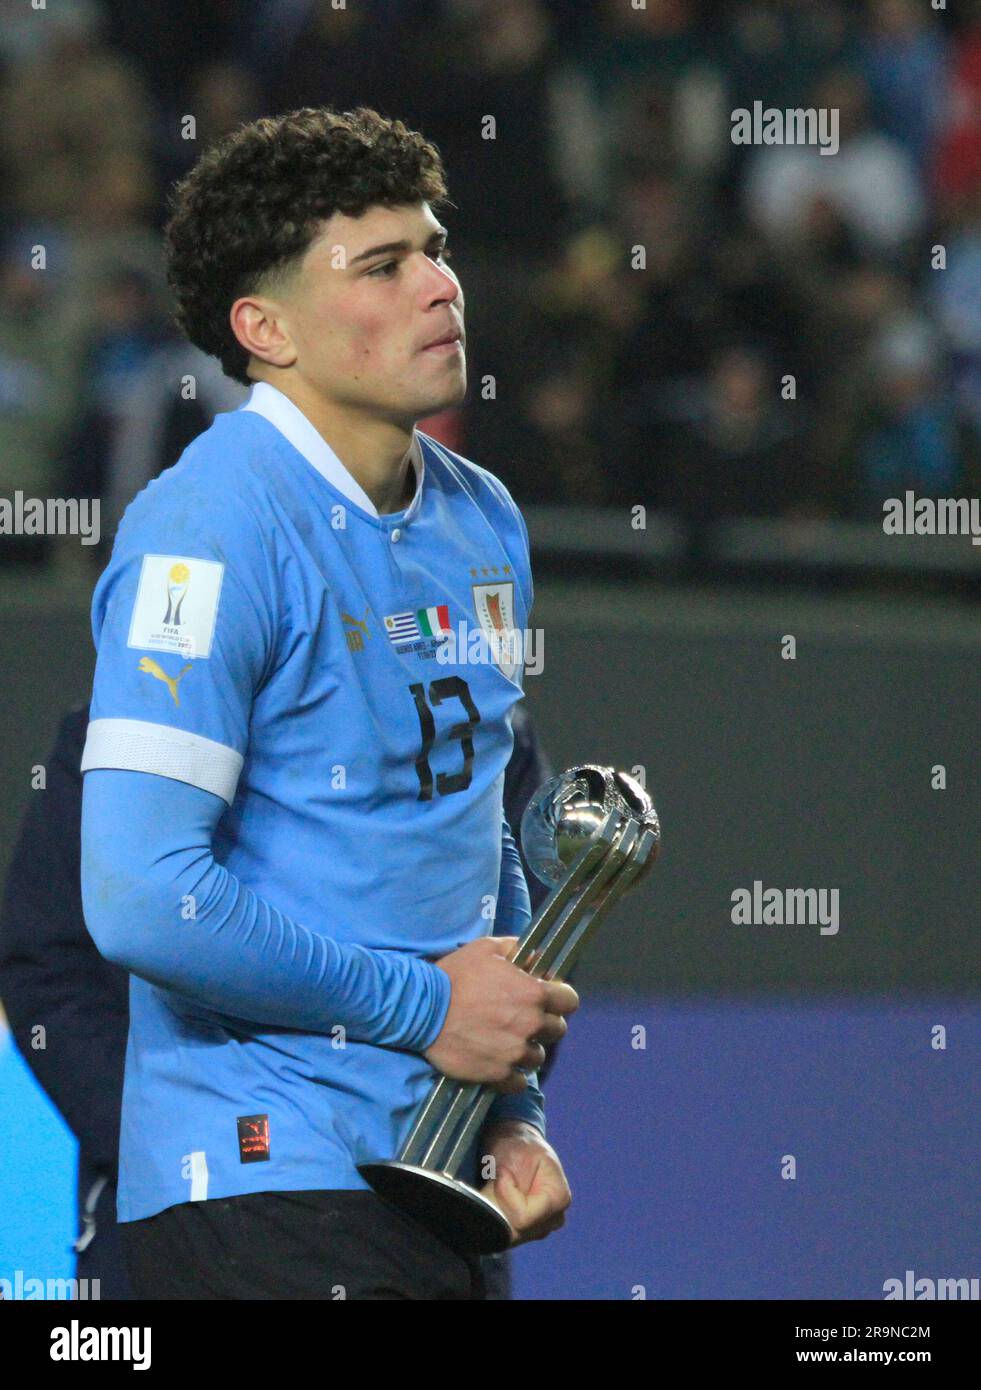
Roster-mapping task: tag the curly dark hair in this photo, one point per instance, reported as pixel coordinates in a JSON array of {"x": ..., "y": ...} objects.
[{"x": 255, "y": 200}]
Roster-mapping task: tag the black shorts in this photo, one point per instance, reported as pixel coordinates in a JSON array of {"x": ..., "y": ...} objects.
[{"x": 293, "y": 1245}]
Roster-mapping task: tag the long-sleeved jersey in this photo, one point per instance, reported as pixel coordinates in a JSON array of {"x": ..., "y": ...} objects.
[{"x": 293, "y": 799}]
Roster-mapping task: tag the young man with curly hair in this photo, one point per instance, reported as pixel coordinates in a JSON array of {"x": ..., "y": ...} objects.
[{"x": 292, "y": 827}]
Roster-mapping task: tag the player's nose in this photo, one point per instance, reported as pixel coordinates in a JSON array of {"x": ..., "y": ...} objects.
[{"x": 443, "y": 287}]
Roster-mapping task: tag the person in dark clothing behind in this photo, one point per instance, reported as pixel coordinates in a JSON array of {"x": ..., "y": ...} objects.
[{"x": 52, "y": 974}]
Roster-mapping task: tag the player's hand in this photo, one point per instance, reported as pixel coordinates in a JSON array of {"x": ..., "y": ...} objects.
[
  {"x": 530, "y": 1187},
  {"x": 498, "y": 1017}
]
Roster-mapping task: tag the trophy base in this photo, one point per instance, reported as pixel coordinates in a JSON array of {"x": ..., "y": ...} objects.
[{"x": 461, "y": 1217}]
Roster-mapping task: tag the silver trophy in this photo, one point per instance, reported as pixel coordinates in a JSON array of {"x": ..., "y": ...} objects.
[{"x": 593, "y": 833}]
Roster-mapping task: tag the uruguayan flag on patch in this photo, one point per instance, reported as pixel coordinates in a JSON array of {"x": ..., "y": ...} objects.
[{"x": 402, "y": 627}]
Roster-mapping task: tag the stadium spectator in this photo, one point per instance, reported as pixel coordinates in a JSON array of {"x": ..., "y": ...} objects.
[
  {"x": 903, "y": 58},
  {"x": 956, "y": 297},
  {"x": 338, "y": 57},
  {"x": 613, "y": 132},
  {"x": 738, "y": 446},
  {"x": 127, "y": 330},
  {"x": 777, "y": 53},
  {"x": 869, "y": 187},
  {"x": 956, "y": 175},
  {"x": 67, "y": 113},
  {"x": 910, "y": 438},
  {"x": 220, "y": 96},
  {"x": 38, "y": 380}
]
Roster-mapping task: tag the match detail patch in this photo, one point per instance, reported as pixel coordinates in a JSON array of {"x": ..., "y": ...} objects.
[
  {"x": 176, "y": 605},
  {"x": 253, "y": 1138}
]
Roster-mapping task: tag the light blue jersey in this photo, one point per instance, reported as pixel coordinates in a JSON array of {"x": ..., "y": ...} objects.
[{"x": 291, "y": 806}]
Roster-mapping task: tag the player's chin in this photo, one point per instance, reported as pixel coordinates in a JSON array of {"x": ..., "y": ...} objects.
[
  {"x": 445, "y": 397},
  {"x": 449, "y": 372}
]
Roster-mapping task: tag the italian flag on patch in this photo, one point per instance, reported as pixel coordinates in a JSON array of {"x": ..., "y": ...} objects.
[{"x": 434, "y": 622}]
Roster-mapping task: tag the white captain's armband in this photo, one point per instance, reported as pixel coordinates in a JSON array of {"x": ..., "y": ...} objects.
[
  {"x": 176, "y": 605},
  {"x": 134, "y": 745}
]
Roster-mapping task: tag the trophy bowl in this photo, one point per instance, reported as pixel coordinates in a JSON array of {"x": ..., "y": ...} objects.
[{"x": 567, "y": 811}]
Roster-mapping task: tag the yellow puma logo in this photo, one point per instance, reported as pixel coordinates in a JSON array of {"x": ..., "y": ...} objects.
[{"x": 151, "y": 668}]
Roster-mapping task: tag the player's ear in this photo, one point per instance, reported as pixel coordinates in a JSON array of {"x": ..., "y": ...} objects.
[{"x": 260, "y": 327}]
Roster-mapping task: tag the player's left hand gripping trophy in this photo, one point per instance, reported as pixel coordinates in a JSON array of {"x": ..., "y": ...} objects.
[{"x": 593, "y": 833}]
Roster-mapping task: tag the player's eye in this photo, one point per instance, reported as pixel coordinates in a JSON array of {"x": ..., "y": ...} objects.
[{"x": 382, "y": 271}]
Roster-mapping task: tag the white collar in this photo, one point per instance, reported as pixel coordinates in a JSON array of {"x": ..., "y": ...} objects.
[{"x": 268, "y": 401}]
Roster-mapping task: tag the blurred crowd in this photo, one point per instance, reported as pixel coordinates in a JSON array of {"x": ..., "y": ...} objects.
[{"x": 655, "y": 314}]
